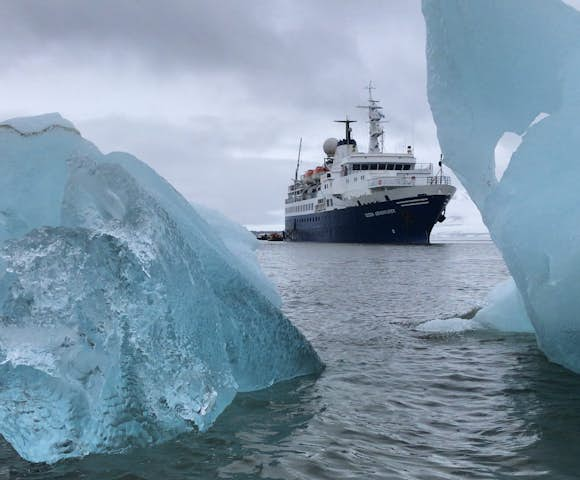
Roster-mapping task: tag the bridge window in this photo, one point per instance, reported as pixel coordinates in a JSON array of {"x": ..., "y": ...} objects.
[
  {"x": 373, "y": 166},
  {"x": 356, "y": 166},
  {"x": 390, "y": 166},
  {"x": 382, "y": 166},
  {"x": 364, "y": 166},
  {"x": 398, "y": 166},
  {"x": 407, "y": 167}
]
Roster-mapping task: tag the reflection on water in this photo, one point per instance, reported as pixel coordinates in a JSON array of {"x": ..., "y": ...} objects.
[
  {"x": 245, "y": 441},
  {"x": 394, "y": 402},
  {"x": 546, "y": 398}
]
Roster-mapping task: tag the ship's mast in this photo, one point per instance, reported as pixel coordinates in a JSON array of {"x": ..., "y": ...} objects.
[
  {"x": 375, "y": 120},
  {"x": 348, "y": 130}
]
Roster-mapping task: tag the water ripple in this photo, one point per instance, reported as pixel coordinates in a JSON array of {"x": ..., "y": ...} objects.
[{"x": 394, "y": 402}]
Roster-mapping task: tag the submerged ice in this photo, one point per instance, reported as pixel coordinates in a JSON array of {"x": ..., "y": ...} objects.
[
  {"x": 504, "y": 310},
  {"x": 125, "y": 318},
  {"x": 497, "y": 68}
]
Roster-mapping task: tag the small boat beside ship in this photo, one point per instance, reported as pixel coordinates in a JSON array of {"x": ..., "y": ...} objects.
[{"x": 373, "y": 197}]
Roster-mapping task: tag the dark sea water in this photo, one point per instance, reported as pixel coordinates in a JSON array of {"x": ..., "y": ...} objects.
[{"x": 393, "y": 402}]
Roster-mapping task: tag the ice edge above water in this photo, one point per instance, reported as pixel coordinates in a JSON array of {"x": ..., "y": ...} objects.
[
  {"x": 125, "y": 318},
  {"x": 488, "y": 76}
]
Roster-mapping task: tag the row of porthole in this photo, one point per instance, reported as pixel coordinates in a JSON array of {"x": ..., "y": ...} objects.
[
  {"x": 362, "y": 177},
  {"x": 309, "y": 219}
]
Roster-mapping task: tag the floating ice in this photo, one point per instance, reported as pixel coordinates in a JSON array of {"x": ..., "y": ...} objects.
[
  {"x": 496, "y": 67},
  {"x": 449, "y": 325},
  {"x": 504, "y": 310},
  {"x": 124, "y": 318}
]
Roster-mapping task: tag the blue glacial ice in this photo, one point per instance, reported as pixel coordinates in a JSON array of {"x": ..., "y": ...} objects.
[
  {"x": 504, "y": 310},
  {"x": 513, "y": 67},
  {"x": 125, "y": 317}
]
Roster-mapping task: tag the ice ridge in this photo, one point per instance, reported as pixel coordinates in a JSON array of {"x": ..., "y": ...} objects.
[{"x": 27, "y": 126}]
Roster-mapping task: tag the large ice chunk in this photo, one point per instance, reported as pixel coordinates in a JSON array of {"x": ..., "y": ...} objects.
[
  {"x": 497, "y": 67},
  {"x": 124, "y": 318}
]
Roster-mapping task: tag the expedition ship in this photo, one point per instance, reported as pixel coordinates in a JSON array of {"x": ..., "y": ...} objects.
[{"x": 373, "y": 197}]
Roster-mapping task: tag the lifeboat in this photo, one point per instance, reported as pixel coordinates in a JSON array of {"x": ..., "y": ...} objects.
[
  {"x": 319, "y": 171},
  {"x": 309, "y": 176}
]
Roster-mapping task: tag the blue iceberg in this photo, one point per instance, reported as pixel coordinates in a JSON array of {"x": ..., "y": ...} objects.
[
  {"x": 496, "y": 69},
  {"x": 125, "y": 318}
]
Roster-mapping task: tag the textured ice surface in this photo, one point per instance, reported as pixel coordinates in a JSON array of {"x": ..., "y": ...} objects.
[
  {"x": 124, "y": 318},
  {"x": 243, "y": 244},
  {"x": 514, "y": 66}
]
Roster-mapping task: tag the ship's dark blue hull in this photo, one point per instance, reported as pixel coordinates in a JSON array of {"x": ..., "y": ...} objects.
[{"x": 406, "y": 221}]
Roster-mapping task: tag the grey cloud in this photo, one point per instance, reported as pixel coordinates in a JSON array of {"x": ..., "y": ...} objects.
[
  {"x": 222, "y": 35},
  {"x": 296, "y": 65},
  {"x": 302, "y": 51}
]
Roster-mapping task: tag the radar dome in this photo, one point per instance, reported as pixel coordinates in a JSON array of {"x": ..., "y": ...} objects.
[{"x": 329, "y": 146}]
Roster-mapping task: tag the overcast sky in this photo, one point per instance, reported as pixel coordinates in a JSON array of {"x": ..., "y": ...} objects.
[{"x": 214, "y": 95}]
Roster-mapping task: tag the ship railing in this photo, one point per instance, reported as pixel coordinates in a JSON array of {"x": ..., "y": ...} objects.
[
  {"x": 440, "y": 180},
  {"x": 422, "y": 168},
  {"x": 408, "y": 180}
]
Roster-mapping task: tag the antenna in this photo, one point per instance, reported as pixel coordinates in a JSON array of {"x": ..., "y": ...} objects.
[
  {"x": 370, "y": 88},
  {"x": 347, "y": 123}
]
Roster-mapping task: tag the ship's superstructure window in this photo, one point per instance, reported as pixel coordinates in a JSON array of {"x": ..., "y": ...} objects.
[{"x": 380, "y": 166}]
